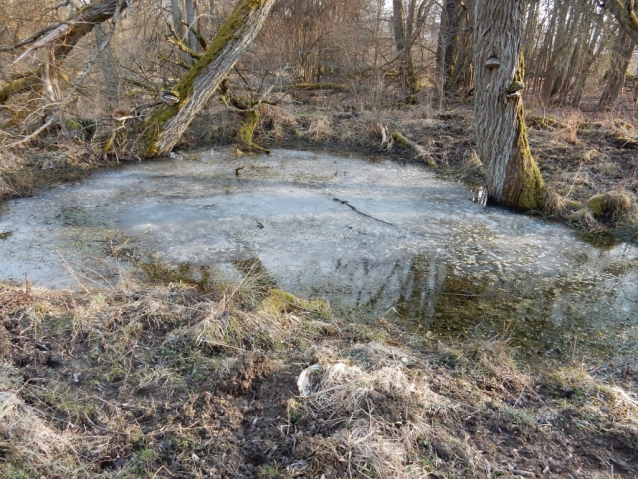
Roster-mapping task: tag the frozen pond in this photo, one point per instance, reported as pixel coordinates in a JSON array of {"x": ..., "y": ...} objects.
[{"x": 372, "y": 236}]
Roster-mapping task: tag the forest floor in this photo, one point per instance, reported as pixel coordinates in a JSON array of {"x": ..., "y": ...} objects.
[
  {"x": 169, "y": 380},
  {"x": 176, "y": 382}
]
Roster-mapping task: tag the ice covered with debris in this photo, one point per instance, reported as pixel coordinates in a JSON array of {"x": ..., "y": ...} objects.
[{"x": 372, "y": 236}]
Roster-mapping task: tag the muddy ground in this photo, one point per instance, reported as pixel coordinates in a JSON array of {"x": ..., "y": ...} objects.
[{"x": 167, "y": 381}]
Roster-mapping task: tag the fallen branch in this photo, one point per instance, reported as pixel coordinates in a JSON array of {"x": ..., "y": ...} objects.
[
  {"x": 318, "y": 86},
  {"x": 421, "y": 153}
]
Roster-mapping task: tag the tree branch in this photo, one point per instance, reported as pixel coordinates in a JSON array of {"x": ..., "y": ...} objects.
[{"x": 74, "y": 88}]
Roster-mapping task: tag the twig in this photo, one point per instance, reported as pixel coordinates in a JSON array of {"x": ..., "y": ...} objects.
[
  {"x": 261, "y": 99},
  {"x": 361, "y": 213},
  {"x": 574, "y": 182}
]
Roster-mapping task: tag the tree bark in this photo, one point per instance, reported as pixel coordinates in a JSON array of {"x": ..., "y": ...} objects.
[
  {"x": 560, "y": 43},
  {"x": 178, "y": 26},
  {"x": 108, "y": 66},
  {"x": 625, "y": 13},
  {"x": 190, "y": 19},
  {"x": 168, "y": 123},
  {"x": 597, "y": 44},
  {"x": 407, "y": 28},
  {"x": 513, "y": 178},
  {"x": 621, "y": 56},
  {"x": 448, "y": 41},
  {"x": 583, "y": 55}
]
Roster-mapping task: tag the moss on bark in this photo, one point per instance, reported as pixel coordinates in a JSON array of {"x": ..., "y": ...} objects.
[
  {"x": 523, "y": 184},
  {"x": 231, "y": 30},
  {"x": 247, "y": 130},
  {"x": 19, "y": 85}
]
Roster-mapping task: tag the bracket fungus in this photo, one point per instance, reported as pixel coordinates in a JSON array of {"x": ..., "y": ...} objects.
[{"x": 492, "y": 63}]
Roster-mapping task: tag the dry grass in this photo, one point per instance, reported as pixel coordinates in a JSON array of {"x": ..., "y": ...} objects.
[
  {"x": 553, "y": 202},
  {"x": 471, "y": 161},
  {"x": 584, "y": 217},
  {"x": 278, "y": 119},
  {"x": 370, "y": 442},
  {"x": 573, "y": 122},
  {"x": 320, "y": 129},
  {"x": 374, "y": 410},
  {"x": 24, "y": 430}
]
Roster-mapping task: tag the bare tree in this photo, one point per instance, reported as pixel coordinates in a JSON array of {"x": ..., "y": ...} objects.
[
  {"x": 407, "y": 27},
  {"x": 621, "y": 56}
]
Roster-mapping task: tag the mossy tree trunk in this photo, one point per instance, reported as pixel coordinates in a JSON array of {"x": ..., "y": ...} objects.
[
  {"x": 513, "y": 178},
  {"x": 248, "y": 109},
  {"x": 246, "y": 131},
  {"x": 166, "y": 126}
]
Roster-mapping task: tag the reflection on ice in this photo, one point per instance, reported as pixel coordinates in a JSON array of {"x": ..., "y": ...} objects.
[{"x": 397, "y": 241}]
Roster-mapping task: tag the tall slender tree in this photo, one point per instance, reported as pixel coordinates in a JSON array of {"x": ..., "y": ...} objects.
[
  {"x": 408, "y": 23},
  {"x": 513, "y": 178},
  {"x": 622, "y": 51}
]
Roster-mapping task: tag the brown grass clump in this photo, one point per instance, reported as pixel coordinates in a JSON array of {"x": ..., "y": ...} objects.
[
  {"x": 384, "y": 413},
  {"x": 23, "y": 431},
  {"x": 277, "y": 119},
  {"x": 370, "y": 439},
  {"x": 584, "y": 217},
  {"x": 573, "y": 122},
  {"x": 471, "y": 161},
  {"x": 553, "y": 202},
  {"x": 320, "y": 129}
]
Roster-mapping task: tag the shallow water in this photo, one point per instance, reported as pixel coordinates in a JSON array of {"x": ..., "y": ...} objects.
[{"x": 374, "y": 237}]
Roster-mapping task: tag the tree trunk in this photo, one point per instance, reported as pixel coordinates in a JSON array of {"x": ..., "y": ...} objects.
[
  {"x": 178, "y": 26},
  {"x": 108, "y": 66},
  {"x": 621, "y": 56},
  {"x": 168, "y": 123},
  {"x": 190, "y": 19},
  {"x": 597, "y": 44},
  {"x": 405, "y": 28},
  {"x": 448, "y": 41},
  {"x": 463, "y": 75},
  {"x": 556, "y": 55},
  {"x": 512, "y": 175},
  {"x": 625, "y": 13}
]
